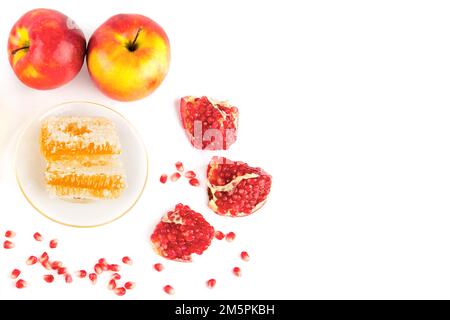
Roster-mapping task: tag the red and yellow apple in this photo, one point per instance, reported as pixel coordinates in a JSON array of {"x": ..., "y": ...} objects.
[
  {"x": 46, "y": 49},
  {"x": 128, "y": 57}
]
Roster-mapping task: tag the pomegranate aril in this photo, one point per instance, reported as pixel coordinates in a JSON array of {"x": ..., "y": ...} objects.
[
  {"x": 8, "y": 244},
  {"x": 194, "y": 182},
  {"x": 237, "y": 271},
  {"x": 245, "y": 256},
  {"x": 129, "y": 285},
  {"x": 190, "y": 174},
  {"x": 44, "y": 257},
  {"x": 68, "y": 278},
  {"x": 10, "y": 234},
  {"x": 53, "y": 243},
  {"x": 37, "y": 236},
  {"x": 93, "y": 278},
  {"x": 48, "y": 278},
  {"x": 169, "y": 290},
  {"x": 158, "y": 267},
  {"x": 98, "y": 268},
  {"x": 56, "y": 265},
  {"x": 62, "y": 270},
  {"x": 47, "y": 265},
  {"x": 127, "y": 260},
  {"x": 31, "y": 260},
  {"x": 20, "y": 284},
  {"x": 163, "y": 178},
  {"x": 174, "y": 177},
  {"x": 230, "y": 236},
  {"x": 112, "y": 284},
  {"x": 81, "y": 273},
  {"x": 219, "y": 235},
  {"x": 120, "y": 291},
  {"x": 114, "y": 267},
  {"x": 15, "y": 274},
  {"x": 116, "y": 276},
  {"x": 179, "y": 166},
  {"x": 211, "y": 283}
]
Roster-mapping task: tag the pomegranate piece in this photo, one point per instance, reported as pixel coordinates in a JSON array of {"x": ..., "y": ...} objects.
[
  {"x": 235, "y": 189},
  {"x": 61, "y": 271},
  {"x": 93, "y": 277},
  {"x": 81, "y": 273},
  {"x": 174, "y": 177},
  {"x": 211, "y": 283},
  {"x": 120, "y": 291},
  {"x": 237, "y": 271},
  {"x": 209, "y": 124},
  {"x": 20, "y": 284},
  {"x": 31, "y": 260},
  {"x": 245, "y": 256},
  {"x": 98, "y": 268},
  {"x": 230, "y": 236},
  {"x": 194, "y": 182},
  {"x": 158, "y": 267},
  {"x": 53, "y": 244},
  {"x": 190, "y": 174},
  {"x": 181, "y": 233},
  {"x": 8, "y": 244},
  {"x": 10, "y": 234},
  {"x": 44, "y": 257},
  {"x": 127, "y": 260},
  {"x": 15, "y": 274},
  {"x": 116, "y": 276},
  {"x": 114, "y": 267},
  {"x": 179, "y": 166},
  {"x": 169, "y": 290},
  {"x": 68, "y": 278},
  {"x": 38, "y": 237},
  {"x": 112, "y": 284},
  {"x": 129, "y": 285},
  {"x": 163, "y": 178},
  {"x": 48, "y": 278}
]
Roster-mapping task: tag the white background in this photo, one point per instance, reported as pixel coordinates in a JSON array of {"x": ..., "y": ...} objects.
[{"x": 345, "y": 103}]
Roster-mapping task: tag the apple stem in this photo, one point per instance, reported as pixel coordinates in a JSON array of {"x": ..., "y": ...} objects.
[
  {"x": 18, "y": 49},
  {"x": 133, "y": 46}
]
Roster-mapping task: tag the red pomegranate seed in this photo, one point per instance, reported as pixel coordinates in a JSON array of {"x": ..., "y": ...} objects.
[
  {"x": 112, "y": 284},
  {"x": 163, "y": 178},
  {"x": 37, "y": 236},
  {"x": 116, "y": 276},
  {"x": 68, "y": 278},
  {"x": 93, "y": 278},
  {"x": 120, "y": 291},
  {"x": 237, "y": 271},
  {"x": 15, "y": 274},
  {"x": 44, "y": 257},
  {"x": 47, "y": 265},
  {"x": 114, "y": 267},
  {"x": 190, "y": 174},
  {"x": 49, "y": 278},
  {"x": 169, "y": 290},
  {"x": 98, "y": 268},
  {"x": 211, "y": 283},
  {"x": 8, "y": 244},
  {"x": 10, "y": 234},
  {"x": 62, "y": 270},
  {"x": 20, "y": 284},
  {"x": 219, "y": 235},
  {"x": 245, "y": 256},
  {"x": 55, "y": 265},
  {"x": 127, "y": 260},
  {"x": 81, "y": 273},
  {"x": 230, "y": 236},
  {"x": 174, "y": 177},
  {"x": 179, "y": 166},
  {"x": 31, "y": 260},
  {"x": 129, "y": 285},
  {"x": 194, "y": 182},
  {"x": 102, "y": 261},
  {"x": 158, "y": 267},
  {"x": 53, "y": 243}
]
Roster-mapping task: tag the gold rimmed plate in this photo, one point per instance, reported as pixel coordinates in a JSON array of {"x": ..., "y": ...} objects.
[{"x": 30, "y": 167}]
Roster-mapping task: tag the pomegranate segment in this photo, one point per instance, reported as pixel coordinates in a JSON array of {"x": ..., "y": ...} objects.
[
  {"x": 181, "y": 233},
  {"x": 209, "y": 124},
  {"x": 235, "y": 189}
]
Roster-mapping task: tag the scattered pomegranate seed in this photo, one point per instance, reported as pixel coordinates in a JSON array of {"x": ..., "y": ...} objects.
[
  {"x": 190, "y": 174},
  {"x": 98, "y": 268},
  {"x": 44, "y": 257},
  {"x": 10, "y": 234},
  {"x": 174, "y": 177},
  {"x": 120, "y": 291},
  {"x": 48, "y": 278},
  {"x": 47, "y": 265},
  {"x": 211, "y": 283},
  {"x": 31, "y": 260},
  {"x": 53, "y": 243},
  {"x": 55, "y": 265},
  {"x": 102, "y": 261},
  {"x": 237, "y": 271},
  {"x": 114, "y": 267},
  {"x": 68, "y": 278},
  {"x": 37, "y": 236},
  {"x": 163, "y": 178},
  {"x": 112, "y": 284},
  {"x": 81, "y": 273},
  {"x": 245, "y": 256},
  {"x": 169, "y": 290},
  {"x": 129, "y": 285},
  {"x": 230, "y": 236},
  {"x": 93, "y": 278},
  {"x": 8, "y": 244},
  {"x": 194, "y": 182},
  {"x": 127, "y": 260},
  {"x": 179, "y": 166},
  {"x": 116, "y": 276},
  {"x": 219, "y": 235},
  {"x": 20, "y": 284},
  {"x": 158, "y": 267},
  {"x": 15, "y": 274},
  {"x": 62, "y": 270}
]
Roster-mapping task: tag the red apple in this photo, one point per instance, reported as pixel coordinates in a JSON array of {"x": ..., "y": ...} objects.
[
  {"x": 128, "y": 57},
  {"x": 46, "y": 49}
]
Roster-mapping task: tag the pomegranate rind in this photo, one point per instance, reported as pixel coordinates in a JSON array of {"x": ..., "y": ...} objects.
[
  {"x": 209, "y": 124},
  {"x": 235, "y": 189},
  {"x": 181, "y": 233}
]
